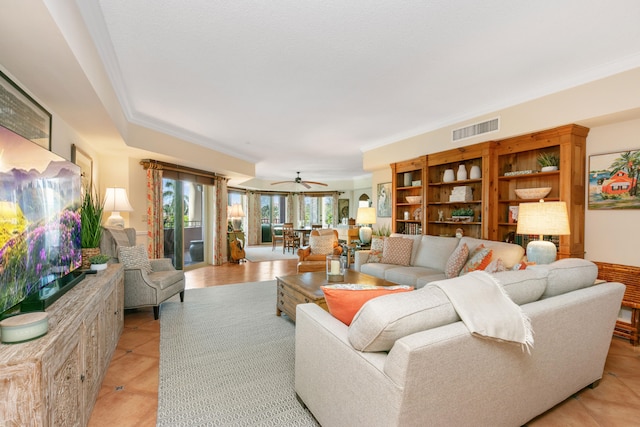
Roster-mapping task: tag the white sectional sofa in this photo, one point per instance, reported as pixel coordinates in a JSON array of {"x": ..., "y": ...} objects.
[
  {"x": 429, "y": 257},
  {"x": 407, "y": 359}
]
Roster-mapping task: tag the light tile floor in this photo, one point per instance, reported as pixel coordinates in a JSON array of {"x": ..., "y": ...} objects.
[{"x": 129, "y": 393}]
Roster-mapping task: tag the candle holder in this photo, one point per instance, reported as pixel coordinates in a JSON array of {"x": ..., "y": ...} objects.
[{"x": 335, "y": 268}]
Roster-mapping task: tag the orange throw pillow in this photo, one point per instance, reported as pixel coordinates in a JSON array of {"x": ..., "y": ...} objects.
[{"x": 344, "y": 300}]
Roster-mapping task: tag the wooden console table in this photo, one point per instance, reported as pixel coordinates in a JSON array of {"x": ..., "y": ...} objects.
[{"x": 54, "y": 380}]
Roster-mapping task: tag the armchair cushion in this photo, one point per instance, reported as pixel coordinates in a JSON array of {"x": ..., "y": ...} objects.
[
  {"x": 321, "y": 245},
  {"x": 166, "y": 278},
  {"x": 134, "y": 257}
]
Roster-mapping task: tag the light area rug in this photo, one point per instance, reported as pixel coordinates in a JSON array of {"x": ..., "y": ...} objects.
[
  {"x": 264, "y": 253},
  {"x": 226, "y": 359}
]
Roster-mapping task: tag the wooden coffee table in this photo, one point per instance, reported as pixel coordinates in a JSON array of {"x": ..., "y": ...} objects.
[{"x": 305, "y": 287}]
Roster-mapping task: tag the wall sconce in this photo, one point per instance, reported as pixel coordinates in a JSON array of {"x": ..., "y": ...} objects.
[
  {"x": 366, "y": 217},
  {"x": 542, "y": 218},
  {"x": 116, "y": 201}
]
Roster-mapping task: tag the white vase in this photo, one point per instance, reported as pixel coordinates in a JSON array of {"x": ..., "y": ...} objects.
[
  {"x": 448, "y": 176},
  {"x": 408, "y": 177},
  {"x": 549, "y": 168},
  {"x": 462, "y": 173},
  {"x": 475, "y": 172}
]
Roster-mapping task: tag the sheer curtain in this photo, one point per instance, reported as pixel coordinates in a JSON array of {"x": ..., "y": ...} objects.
[
  {"x": 254, "y": 219},
  {"x": 155, "y": 220}
]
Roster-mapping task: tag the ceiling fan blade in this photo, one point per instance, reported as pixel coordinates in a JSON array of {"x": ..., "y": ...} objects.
[
  {"x": 281, "y": 182},
  {"x": 305, "y": 184},
  {"x": 316, "y": 183}
]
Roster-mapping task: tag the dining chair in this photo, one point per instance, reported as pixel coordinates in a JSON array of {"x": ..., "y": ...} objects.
[
  {"x": 290, "y": 237},
  {"x": 276, "y": 236}
]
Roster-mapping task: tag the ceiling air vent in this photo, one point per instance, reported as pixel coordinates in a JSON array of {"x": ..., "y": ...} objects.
[{"x": 476, "y": 129}]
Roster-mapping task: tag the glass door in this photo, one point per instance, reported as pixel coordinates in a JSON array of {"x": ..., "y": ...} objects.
[
  {"x": 272, "y": 212},
  {"x": 183, "y": 211}
]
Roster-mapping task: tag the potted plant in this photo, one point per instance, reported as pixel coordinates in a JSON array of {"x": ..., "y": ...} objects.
[
  {"x": 91, "y": 225},
  {"x": 99, "y": 262},
  {"x": 548, "y": 161},
  {"x": 462, "y": 214}
]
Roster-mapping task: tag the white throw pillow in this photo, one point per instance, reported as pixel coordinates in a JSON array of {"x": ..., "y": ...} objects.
[
  {"x": 321, "y": 245},
  {"x": 134, "y": 257}
]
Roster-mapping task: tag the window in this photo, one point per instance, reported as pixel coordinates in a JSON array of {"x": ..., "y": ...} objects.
[{"x": 318, "y": 210}]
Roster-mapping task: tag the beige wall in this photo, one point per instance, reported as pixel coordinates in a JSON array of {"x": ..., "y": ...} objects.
[
  {"x": 613, "y": 235},
  {"x": 610, "y": 107}
]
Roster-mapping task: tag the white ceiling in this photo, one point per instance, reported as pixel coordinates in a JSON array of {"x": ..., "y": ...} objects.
[{"x": 301, "y": 85}]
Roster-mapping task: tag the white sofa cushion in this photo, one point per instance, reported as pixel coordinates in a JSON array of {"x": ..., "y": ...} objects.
[
  {"x": 408, "y": 275},
  {"x": 509, "y": 253},
  {"x": 434, "y": 251},
  {"x": 567, "y": 275},
  {"x": 382, "y": 321}
]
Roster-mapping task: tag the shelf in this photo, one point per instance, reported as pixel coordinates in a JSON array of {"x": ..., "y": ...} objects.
[
  {"x": 529, "y": 175},
  {"x": 408, "y": 204},
  {"x": 456, "y": 183},
  {"x": 515, "y": 201},
  {"x": 456, "y": 222},
  {"x": 455, "y": 203},
  {"x": 410, "y": 188}
]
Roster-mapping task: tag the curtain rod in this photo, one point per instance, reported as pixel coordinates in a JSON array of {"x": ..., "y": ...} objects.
[{"x": 156, "y": 164}]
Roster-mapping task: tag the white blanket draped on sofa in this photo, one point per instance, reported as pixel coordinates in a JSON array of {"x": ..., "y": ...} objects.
[{"x": 485, "y": 308}]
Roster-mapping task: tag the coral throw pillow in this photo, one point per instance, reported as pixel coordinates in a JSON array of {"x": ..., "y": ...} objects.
[
  {"x": 479, "y": 259},
  {"x": 397, "y": 250},
  {"x": 321, "y": 245},
  {"x": 456, "y": 261},
  {"x": 344, "y": 300},
  {"x": 377, "y": 247}
]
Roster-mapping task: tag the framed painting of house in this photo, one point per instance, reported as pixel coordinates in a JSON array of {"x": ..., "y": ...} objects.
[{"x": 613, "y": 180}]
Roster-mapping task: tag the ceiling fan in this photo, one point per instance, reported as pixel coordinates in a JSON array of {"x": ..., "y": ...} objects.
[{"x": 299, "y": 180}]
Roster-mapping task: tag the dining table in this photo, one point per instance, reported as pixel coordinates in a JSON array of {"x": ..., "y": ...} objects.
[{"x": 303, "y": 233}]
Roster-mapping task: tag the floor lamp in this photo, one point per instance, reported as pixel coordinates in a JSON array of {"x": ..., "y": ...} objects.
[{"x": 542, "y": 218}]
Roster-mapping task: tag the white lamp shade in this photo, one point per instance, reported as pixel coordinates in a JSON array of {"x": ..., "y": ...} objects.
[
  {"x": 366, "y": 216},
  {"x": 115, "y": 200},
  {"x": 236, "y": 211},
  {"x": 542, "y": 218}
]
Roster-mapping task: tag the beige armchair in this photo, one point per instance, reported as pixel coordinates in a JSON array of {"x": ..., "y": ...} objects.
[{"x": 143, "y": 288}]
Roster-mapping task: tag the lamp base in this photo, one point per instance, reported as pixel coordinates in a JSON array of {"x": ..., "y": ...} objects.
[
  {"x": 365, "y": 234},
  {"x": 115, "y": 220},
  {"x": 541, "y": 252}
]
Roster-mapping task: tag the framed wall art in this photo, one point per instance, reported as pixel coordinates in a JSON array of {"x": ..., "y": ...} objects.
[
  {"x": 23, "y": 115},
  {"x": 85, "y": 162},
  {"x": 613, "y": 180},
  {"x": 384, "y": 200},
  {"x": 343, "y": 210}
]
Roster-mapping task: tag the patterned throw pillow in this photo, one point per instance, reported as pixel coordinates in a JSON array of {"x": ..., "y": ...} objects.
[
  {"x": 478, "y": 260},
  {"x": 456, "y": 261},
  {"x": 344, "y": 300},
  {"x": 495, "y": 266},
  {"x": 397, "y": 250},
  {"x": 134, "y": 257},
  {"x": 377, "y": 247},
  {"x": 321, "y": 245}
]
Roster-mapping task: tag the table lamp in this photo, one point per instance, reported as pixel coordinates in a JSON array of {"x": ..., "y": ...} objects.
[
  {"x": 542, "y": 218},
  {"x": 366, "y": 217},
  {"x": 116, "y": 201},
  {"x": 236, "y": 213}
]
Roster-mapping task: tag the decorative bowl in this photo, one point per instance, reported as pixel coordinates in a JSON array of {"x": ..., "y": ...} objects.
[
  {"x": 533, "y": 193},
  {"x": 414, "y": 199}
]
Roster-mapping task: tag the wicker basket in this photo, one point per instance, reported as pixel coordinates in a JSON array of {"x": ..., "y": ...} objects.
[{"x": 87, "y": 253}]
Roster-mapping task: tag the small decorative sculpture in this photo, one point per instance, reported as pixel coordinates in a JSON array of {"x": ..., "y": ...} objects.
[{"x": 440, "y": 216}]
